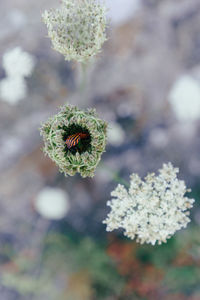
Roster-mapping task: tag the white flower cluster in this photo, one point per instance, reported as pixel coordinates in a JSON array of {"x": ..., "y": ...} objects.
[
  {"x": 77, "y": 28},
  {"x": 18, "y": 65},
  {"x": 151, "y": 210}
]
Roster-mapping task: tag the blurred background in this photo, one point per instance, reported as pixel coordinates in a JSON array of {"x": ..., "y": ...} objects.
[{"x": 146, "y": 84}]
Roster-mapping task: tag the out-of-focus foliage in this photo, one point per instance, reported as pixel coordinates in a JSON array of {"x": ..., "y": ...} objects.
[
  {"x": 73, "y": 267},
  {"x": 67, "y": 268}
]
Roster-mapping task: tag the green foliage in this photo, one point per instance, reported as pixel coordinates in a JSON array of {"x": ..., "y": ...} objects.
[
  {"x": 183, "y": 278},
  {"x": 87, "y": 255},
  {"x": 97, "y": 271}
]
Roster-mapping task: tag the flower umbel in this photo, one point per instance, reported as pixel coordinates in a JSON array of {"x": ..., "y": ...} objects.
[
  {"x": 86, "y": 154},
  {"x": 151, "y": 210},
  {"x": 77, "y": 28}
]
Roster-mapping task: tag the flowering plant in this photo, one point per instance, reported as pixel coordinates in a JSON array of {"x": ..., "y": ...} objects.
[
  {"x": 77, "y": 28},
  {"x": 151, "y": 210},
  {"x": 84, "y": 157}
]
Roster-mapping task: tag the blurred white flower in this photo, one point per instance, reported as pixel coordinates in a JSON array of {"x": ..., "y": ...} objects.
[
  {"x": 116, "y": 134},
  {"x": 13, "y": 89},
  {"x": 151, "y": 210},
  {"x": 185, "y": 98},
  {"x": 52, "y": 203},
  {"x": 18, "y": 63}
]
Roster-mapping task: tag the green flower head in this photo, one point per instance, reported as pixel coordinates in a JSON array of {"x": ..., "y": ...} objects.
[
  {"x": 75, "y": 140},
  {"x": 77, "y": 28}
]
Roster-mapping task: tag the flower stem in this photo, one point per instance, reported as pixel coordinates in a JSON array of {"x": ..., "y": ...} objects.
[
  {"x": 83, "y": 77},
  {"x": 115, "y": 176}
]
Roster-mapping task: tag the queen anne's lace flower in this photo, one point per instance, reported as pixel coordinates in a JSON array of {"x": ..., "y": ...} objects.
[
  {"x": 84, "y": 156},
  {"x": 151, "y": 210},
  {"x": 77, "y": 28}
]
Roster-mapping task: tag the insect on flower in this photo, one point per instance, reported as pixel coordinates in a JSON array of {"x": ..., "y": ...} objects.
[
  {"x": 72, "y": 157},
  {"x": 73, "y": 140}
]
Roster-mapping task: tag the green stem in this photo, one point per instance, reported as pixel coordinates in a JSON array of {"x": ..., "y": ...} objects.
[
  {"x": 120, "y": 180},
  {"x": 83, "y": 77},
  {"x": 115, "y": 176}
]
